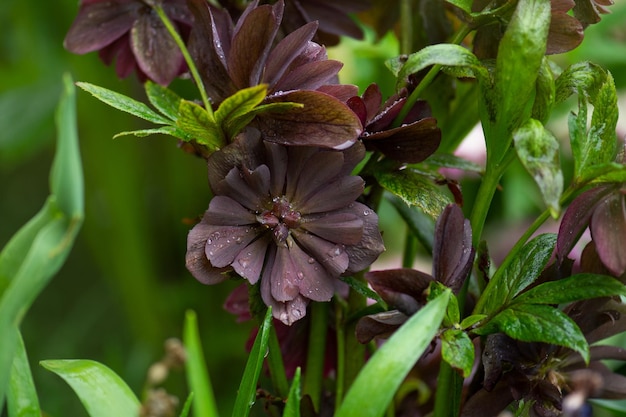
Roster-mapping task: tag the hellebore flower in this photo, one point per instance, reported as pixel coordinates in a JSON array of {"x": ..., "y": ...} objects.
[
  {"x": 415, "y": 140},
  {"x": 404, "y": 289},
  {"x": 231, "y": 57},
  {"x": 554, "y": 379},
  {"x": 603, "y": 209},
  {"x": 287, "y": 217},
  {"x": 132, "y": 32}
]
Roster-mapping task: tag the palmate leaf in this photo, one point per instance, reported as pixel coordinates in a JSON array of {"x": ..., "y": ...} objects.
[{"x": 199, "y": 125}]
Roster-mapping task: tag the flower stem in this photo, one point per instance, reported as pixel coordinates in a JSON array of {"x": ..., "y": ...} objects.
[
  {"x": 448, "y": 394},
  {"x": 406, "y": 17},
  {"x": 276, "y": 365},
  {"x": 314, "y": 375},
  {"x": 340, "y": 309},
  {"x": 183, "y": 49}
]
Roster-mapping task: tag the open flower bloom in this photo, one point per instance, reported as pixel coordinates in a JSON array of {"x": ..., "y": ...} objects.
[
  {"x": 233, "y": 56},
  {"x": 132, "y": 32},
  {"x": 287, "y": 217}
]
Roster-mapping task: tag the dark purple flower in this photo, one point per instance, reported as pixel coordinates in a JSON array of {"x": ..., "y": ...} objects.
[
  {"x": 415, "y": 140},
  {"x": 233, "y": 56},
  {"x": 287, "y": 217},
  {"x": 404, "y": 289},
  {"x": 132, "y": 32}
]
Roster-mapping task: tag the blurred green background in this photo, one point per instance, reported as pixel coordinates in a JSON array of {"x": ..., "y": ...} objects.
[{"x": 124, "y": 289}]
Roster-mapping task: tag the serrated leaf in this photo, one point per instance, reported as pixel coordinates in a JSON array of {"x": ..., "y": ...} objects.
[
  {"x": 240, "y": 103},
  {"x": 575, "y": 288},
  {"x": 246, "y": 394},
  {"x": 538, "y": 150},
  {"x": 441, "y": 54},
  {"x": 199, "y": 125},
  {"x": 538, "y": 323},
  {"x": 102, "y": 392},
  {"x": 123, "y": 103},
  {"x": 517, "y": 275},
  {"x": 292, "y": 406},
  {"x": 197, "y": 375},
  {"x": 378, "y": 381},
  {"x": 458, "y": 350},
  {"x": 163, "y": 99},
  {"x": 415, "y": 189},
  {"x": 579, "y": 78}
]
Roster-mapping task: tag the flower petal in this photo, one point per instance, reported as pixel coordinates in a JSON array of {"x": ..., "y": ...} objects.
[
  {"x": 379, "y": 325},
  {"x": 283, "y": 275},
  {"x": 364, "y": 253},
  {"x": 249, "y": 262},
  {"x": 394, "y": 285},
  {"x": 337, "y": 226},
  {"x": 319, "y": 170},
  {"x": 196, "y": 260},
  {"x": 224, "y": 211},
  {"x": 236, "y": 187},
  {"x": 565, "y": 33},
  {"x": 314, "y": 281},
  {"x": 608, "y": 230},
  {"x": 410, "y": 143},
  {"x": 331, "y": 256},
  {"x": 99, "y": 24},
  {"x": 333, "y": 196},
  {"x": 223, "y": 243},
  {"x": 309, "y": 76}
]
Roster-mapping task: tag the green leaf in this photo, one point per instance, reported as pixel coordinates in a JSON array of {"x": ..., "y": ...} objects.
[
  {"x": 458, "y": 350},
  {"x": 124, "y": 103},
  {"x": 379, "y": 379},
  {"x": 415, "y": 189},
  {"x": 519, "y": 274},
  {"x": 39, "y": 249},
  {"x": 419, "y": 223},
  {"x": 163, "y": 130},
  {"x": 236, "y": 124},
  {"x": 187, "y": 406},
  {"x": 584, "y": 78},
  {"x": 545, "y": 93},
  {"x": 574, "y": 288},
  {"x": 362, "y": 288},
  {"x": 102, "y": 391},
  {"x": 538, "y": 323},
  {"x": 200, "y": 125},
  {"x": 538, "y": 150},
  {"x": 453, "y": 161},
  {"x": 441, "y": 54},
  {"x": 197, "y": 375},
  {"x": 237, "y": 106},
  {"x": 469, "y": 321},
  {"x": 22, "y": 398},
  {"x": 453, "y": 315},
  {"x": 163, "y": 99},
  {"x": 292, "y": 407},
  {"x": 246, "y": 395}
]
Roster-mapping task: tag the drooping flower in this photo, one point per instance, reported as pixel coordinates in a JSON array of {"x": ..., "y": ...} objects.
[
  {"x": 415, "y": 140},
  {"x": 232, "y": 56},
  {"x": 287, "y": 217},
  {"x": 131, "y": 32}
]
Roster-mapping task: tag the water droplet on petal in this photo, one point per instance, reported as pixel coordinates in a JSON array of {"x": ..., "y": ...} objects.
[
  {"x": 244, "y": 262},
  {"x": 300, "y": 275},
  {"x": 311, "y": 260}
]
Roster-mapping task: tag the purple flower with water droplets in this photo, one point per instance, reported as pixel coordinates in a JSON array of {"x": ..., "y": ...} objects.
[{"x": 286, "y": 218}]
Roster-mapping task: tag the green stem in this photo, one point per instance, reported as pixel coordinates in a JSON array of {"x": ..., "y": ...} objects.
[
  {"x": 406, "y": 18},
  {"x": 183, "y": 49},
  {"x": 340, "y": 309},
  {"x": 314, "y": 375},
  {"x": 354, "y": 350},
  {"x": 276, "y": 365},
  {"x": 448, "y": 393},
  {"x": 410, "y": 250},
  {"x": 428, "y": 78}
]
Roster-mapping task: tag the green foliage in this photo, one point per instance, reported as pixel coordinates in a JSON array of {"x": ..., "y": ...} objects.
[
  {"x": 102, "y": 391},
  {"x": 575, "y": 288},
  {"x": 381, "y": 376},
  {"x": 22, "y": 398},
  {"x": 457, "y": 350},
  {"x": 292, "y": 406}
]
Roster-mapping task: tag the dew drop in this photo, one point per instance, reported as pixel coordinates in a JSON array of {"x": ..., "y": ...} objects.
[
  {"x": 367, "y": 212},
  {"x": 284, "y": 317},
  {"x": 300, "y": 275},
  {"x": 238, "y": 240},
  {"x": 244, "y": 262},
  {"x": 311, "y": 260}
]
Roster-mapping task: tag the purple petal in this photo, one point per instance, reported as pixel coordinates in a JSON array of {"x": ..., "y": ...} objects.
[
  {"x": 196, "y": 260},
  {"x": 236, "y": 187},
  {"x": 309, "y": 76},
  {"x": 99, "y": 24},
  {"x": 319, "y": 170},
  {"x": 157, "y": 54},
  {"x": 379, "y": 325},
  {"x": 338, "y": 227},
  {"x": 283, "y": 276},
  {"x": 224, "y": 243},
  {"x": 565, "y": 33},
  {"x": 286, "y": 51},
  {"x": 224, "y": 211},
  {"x": 297, "y": 162},
  {"x": 333, "y": 196},
  {"x": 410, "y": 143},
  {"x": 341, "y": 92},
  {"x": 311, "y": 277},
  {"x": 277, "y": 162},
  {"x": 373, "y": 98},
  {"x": 331, "y": 256},
  {"x": 393, "y": 284},
  {"x": 357, "y": 105},
  {"x": 364, "y": 253},
  {"x": 324, "y": 121},
  {"x": 608, "y": 230},
  {"x": 249, "y": 262}
]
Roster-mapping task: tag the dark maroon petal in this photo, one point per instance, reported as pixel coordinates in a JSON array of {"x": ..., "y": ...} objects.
[
  {"x": 357, "y": 105},
  {"x": 452, "y": 249},
  {"x": 314, "y": 281},
  {"x": 565, "y": 33},
  {"x": 157, "y": 54},
  {"x": 342, "y": 92},
  {"x": 383, "y": 119},
  {"x": 608, "y": 230},
  {"x": 196, "y": 260},
  {"x": 351, "y": 157},
  {"x": 309, "y": 76},
  {"x": 576, "y": 219},
  {"x": 258, "y": 180},
  {"x": 283, "y": 276},
  {"x": 373, "y": 98},
  {"x": 235, "y": 187},
  {"x": 331, "y": 256},
  {"x": 178, "y": 10},
  {"x": 379, "y": 325},
  {"x": 488, "y": 403},
  {"x": 251, "y": 44},
  {"x": 100, "y": 23},
  {"x": 393, "y": 285},
  {"x": 613, "y": 384},
  {"x": 223, "y": 243},
  {"x": 337, "y": 226},
  {"x": 237, "y": 303},
  {"x": 324, "y": 121},
  {"x": 320, "y": 169},
  {"x": 277, "y": 162},
  {"x": 298, "y": 157},
  {"x": 411, "y": 143},
  {"x": 364, "y": 253},
  {"x": 561, "y": 5},
  {"x": 334, "y": 18},
  {"x": 249, "y": 262},
  {"x": 333, "y": 196},
  {"x": 286, "y": 51},
  {"x": 224, "y": 211}
]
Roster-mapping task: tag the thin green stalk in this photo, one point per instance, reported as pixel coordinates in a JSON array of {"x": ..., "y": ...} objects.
[
  {"x": 354, "y": 350},
  {"x": 448, "y": 394},
  {"x": 183, "y": 49},
  {"x": 276, "y": 365},
  {"x": 314, "y": 375},
  {"x": 410, "y": 250},
  {"x": 406, "y": 20},
  {"x": 340, "y": 308},
  {"x": 428, "y": 78}
]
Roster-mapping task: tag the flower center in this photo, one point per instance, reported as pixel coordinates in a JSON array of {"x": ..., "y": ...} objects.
[{"x": 280, "y": 218}]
